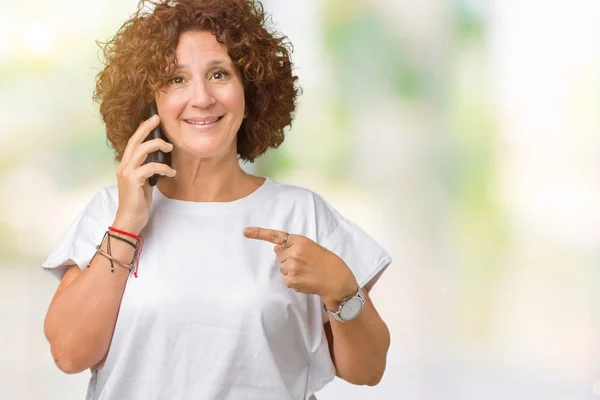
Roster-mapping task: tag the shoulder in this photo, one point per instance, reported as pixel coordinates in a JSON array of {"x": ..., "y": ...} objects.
[
  {"x": 299, "y": 196},
  {"x": 310, "y": 203},
  {"x": 286, "y": 189},
  {"x": 295, "y": 192},
  {"x": 104, "y": 200},
  {"x": 108, "y": 195}
]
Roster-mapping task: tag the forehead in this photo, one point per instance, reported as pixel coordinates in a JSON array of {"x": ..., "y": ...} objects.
[{"x": 201, "y": 44}]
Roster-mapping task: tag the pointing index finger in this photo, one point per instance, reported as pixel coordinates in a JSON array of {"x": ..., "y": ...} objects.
[{"x": 269, "y": 235}]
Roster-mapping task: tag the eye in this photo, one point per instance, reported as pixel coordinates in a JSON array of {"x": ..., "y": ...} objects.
[
  {"x": 176, "y": 80},
  {"x": 218, "y": 75}
]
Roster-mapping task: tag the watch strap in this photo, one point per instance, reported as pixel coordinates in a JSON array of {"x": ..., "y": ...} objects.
[{"x": 337, "y": 314}]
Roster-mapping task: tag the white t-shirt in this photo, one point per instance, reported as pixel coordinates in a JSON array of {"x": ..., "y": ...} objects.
[{"x": 208, "y": 316}]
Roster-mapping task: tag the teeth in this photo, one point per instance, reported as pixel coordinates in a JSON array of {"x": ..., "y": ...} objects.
[{"x": 203, "y": 123}]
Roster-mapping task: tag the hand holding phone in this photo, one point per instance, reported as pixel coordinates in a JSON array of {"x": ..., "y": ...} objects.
[
  {"x": 156, "y": 156},
  {"x": 138, "y": 169}
]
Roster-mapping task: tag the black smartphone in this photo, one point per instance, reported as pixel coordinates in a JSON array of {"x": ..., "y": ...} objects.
[{"x": 156, "y": 156}]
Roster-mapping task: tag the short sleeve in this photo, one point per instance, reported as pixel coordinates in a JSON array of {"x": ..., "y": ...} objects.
[
  {"x": 78, "y": 243},
  {"x": 363, "y": 255}
]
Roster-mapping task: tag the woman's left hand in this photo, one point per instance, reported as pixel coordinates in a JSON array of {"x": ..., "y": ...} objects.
[{"x": 308, "y": 267}]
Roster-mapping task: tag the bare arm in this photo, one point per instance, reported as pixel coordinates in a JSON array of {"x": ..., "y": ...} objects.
[
  {"x": 82, "y": 315},
  {"x": 359, "y": 347}
]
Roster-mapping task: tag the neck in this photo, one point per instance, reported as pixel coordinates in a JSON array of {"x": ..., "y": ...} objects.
[{"x": 207, "y": 180}]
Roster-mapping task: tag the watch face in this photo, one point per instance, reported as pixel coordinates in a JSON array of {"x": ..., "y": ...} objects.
[{"x": 351, "y": 309}]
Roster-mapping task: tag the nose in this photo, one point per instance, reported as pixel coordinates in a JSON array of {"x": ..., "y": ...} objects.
[{"x": 202, "y": 95}]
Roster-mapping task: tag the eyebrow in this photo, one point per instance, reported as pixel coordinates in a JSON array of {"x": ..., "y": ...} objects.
[{"x": 213, "y": 63}]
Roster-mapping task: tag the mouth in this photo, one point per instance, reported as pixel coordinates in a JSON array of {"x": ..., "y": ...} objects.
[{"x": 206, "y": 123}]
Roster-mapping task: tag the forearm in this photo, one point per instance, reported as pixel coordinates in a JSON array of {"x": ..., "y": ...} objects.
[
  {"x": 360, "y": 346},
  {"x": 80, "y": 321}
]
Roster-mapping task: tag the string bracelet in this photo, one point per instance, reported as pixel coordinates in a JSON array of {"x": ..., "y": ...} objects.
[
  {"x": 108, "y": 253},
  {"x": 113, "y": 260},
  {"x": 138, "y": 251}
]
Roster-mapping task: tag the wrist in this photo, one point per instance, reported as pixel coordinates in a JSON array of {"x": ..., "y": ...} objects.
[
  {"x": 332, "y": 304},
  {"x": 333, "y": 301},
  {"x": 342, "y": 286},
  {"x": 130, "y": 234},
  {"x": 127, "y": 226}
]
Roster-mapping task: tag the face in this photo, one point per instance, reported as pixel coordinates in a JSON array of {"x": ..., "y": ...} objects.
[{"x": 202, "y": 107}]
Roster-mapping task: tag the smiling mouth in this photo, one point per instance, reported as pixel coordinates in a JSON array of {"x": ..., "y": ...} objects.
[{"x": 204, "y": 123}]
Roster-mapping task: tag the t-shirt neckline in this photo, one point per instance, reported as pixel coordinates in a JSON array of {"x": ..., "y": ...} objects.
[{"x": 210, "y": 207}]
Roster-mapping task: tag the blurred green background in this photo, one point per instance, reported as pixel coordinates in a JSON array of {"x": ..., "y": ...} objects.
[{"x": 463, "y": 135}]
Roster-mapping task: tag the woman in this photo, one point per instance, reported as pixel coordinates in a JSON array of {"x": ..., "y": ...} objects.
[{"x": 242, "y": 287}]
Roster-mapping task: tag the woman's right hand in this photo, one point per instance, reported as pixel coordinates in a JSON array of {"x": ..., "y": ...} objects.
[{"x": 135, "y": 193}]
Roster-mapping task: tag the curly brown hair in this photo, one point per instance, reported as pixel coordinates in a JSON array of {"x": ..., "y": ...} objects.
[{"x": 140, "y": 60}]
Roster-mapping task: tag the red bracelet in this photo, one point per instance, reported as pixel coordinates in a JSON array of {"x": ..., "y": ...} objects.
[
  {"x": 139, "y": 238},
  {"x": 136, "y": 237}
]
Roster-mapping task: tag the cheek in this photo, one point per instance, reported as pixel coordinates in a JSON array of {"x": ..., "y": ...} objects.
[
  {"x": 234, "y": 99},
  {"x": 172, "y": 108}
]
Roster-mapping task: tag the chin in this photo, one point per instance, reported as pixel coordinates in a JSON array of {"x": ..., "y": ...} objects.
[{"x": 206, "y": 149}]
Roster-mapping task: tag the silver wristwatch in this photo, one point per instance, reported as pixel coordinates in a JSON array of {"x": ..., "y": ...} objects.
[{"x": 349, "y": 308}]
